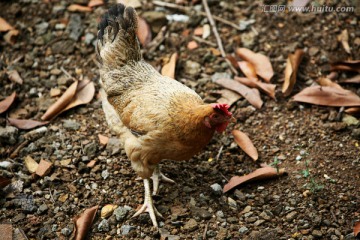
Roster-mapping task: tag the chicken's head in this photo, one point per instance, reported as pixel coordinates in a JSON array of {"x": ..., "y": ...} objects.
[{"x": 220, "y": 117}]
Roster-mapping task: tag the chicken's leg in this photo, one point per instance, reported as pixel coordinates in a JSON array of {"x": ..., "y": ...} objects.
[
  {"x": 157, "y": 177},
  {"x": 149, "y": 205}
]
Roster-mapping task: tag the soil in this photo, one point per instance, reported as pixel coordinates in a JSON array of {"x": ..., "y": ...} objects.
[{"x": 318, "y": 198}]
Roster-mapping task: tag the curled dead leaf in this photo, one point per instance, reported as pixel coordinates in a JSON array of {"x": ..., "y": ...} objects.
[
  {"x": 229, "y": 97},
  {"x": 14, "y": 76},
  {"x": 10, "y": 36},
  {"x": 258, "y": 174},
  {"x": 357, "y": 229},
  {"x": 326, "y": 82},
  {"x": 247, "y": 69},
  {"x": 353, "y": 110},
  {"x": 25, "y": 124},
  {"x": 267, "y": 88},
  {"x": 355, "y": 79},
  {"x": 351, "y": 65},
  {"x": 84, "y": 222},
  {"x": 292, "y": 66},
  {"x": 78, "y": 8},
  {"x": 4, "y": 182},
  {"x": 260, "y": 62},
  {"x": 343, "y": 37},
  {"x": 84, "y": 94},
  {"x": 143, "y": 32},
  {"x": 250, "y": 94},
  {"x": 4, "y": 25},
  {"x": 6, "y": 103},
  {"x": 169, "y": 68},
  {"x": 328, "y": 96},
  {"x": 245, "y": 144},
  {"x": 231, "y": 59}
]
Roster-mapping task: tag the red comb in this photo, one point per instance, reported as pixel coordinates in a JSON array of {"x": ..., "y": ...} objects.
[{"x": 222, "y": 107}]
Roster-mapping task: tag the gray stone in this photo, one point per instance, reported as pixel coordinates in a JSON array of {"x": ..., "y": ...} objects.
[
  {"x": 8, "y": 135},
  {"x": 125, "y": 229},
  {"x": 290, "y": 216},
  {"x": 43, "y": 208},
  {"x": 71, "y": 125},
  {"x": 75, "y": 27},
  {"x": 200, "y": 213},
  {"x": 105, "y": 174},
  {"x": 216, "y": 188},
  {"x": 65, "y": 47},
  {"x": 190, "y": 225},
  {"x": 356, "y": 133},
  {"x": 243, "y": 24},
  {"x": 103, "y": 226},
  {"x": 317, "y": 233},
  {"x": 220, "y": 75},
  {"x": 113, "y": 146},
  {"x": 243, "y": 229},
  {"x": 120, "y": 213},
  {"x": 350, "y": 120},
  {"x": 90, "y": 149},
  {"x": 66, "y": 231},
  {"x": 89, "y": 37},
  {"x": 41, "y": 28},
  {"x": 192, "y": 68}
]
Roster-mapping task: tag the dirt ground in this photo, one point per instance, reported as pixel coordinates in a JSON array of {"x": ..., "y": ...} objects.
[{"x": 318, "y": 198}]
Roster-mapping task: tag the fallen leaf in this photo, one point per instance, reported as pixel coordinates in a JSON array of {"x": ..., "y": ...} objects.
[
  {"x": 95, "y": 3},
  {"x": 10, "y": 36},
  {"x": 351, "y": 65},
  {"x": 232, "y": 60},
  {"x": 84, "y": 222},
  {"x": 267, "y": 88},
  {"x": 328, "y": 96},
  {"x": 14, "y": 76},
  {"x": 192, "y": 45},
  {"x": 169, "y": 68},
  {"x": 292, "y": 66},
  {"x": 261, "y": 62},
  {"x": 78, "y": 8},
  {"x": 25, "y": 124},
  {"x": 229, "y": 97},
  {"x": 103, "y": 139},
  {"x": 343, "y": 37},
  {"x": 252, "y": 95},
  {"x": 43, "y": 168},
  {"x": 4, "y": 25},
  {"x": 61, "y": 103},
  {"x": 353, "y": 110},
  {"x": 247, "y": 69},
  {"x": 4, "y": 182},
  {"x": 31, "y": 164},
  {"x": 84, "y": 94},
  {"x": 107, "y": 210},
  {"x": 258, "y": 174},
  {"x": 91, "y": 163},
  {"x": 355, "y": 79},
  {"x": 357, "y": 229},
  {"x": 143, "y": 32},
  {"x": 326, "y": 82},
  {"x": 199, "y": 31},
  {"x": 245, "y": 144},
  {"x": 6, "y": 103},
  {"x": 206, "y": 31}
]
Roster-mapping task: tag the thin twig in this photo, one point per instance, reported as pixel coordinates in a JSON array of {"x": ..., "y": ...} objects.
[
  {"x": 205, "y": 230},
  {"x": 224, "y": 177},
  {"x": 67, "y": 73},
  {"x": 198, "y": 39},
  {"x": 217, "y": 36},
  {"x": 219, "y": 153},
  {"x": 187, "y": 9},
  {"x": 17, "y": 150},
  {"x": 51, "y": 196}
]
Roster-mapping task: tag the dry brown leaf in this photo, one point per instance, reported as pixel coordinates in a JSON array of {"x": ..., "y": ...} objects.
[
  {"x": 353, "y": 110},
  {"x": 355, "y": 79},
  {"x": 192, "y": 45},
  {"x": 245, "y": 144},
  {"x": 4, "y": 182},
  {"x": 95, "y": 3},
  {"x": 229, "y": 97},
  {"x": 14, "y": 76},
  {"x": 143, "y": 32},
  {"x": 169, "y": 68},
  {"x": 267, "y": 88},
  {"x": 328, "y": 96},
  {"x": 4, "y": 25},
  {"x": 247, "y": 69},
  {"x": 232, "y": 60},
  {"x": 351, "y": 65},
  {"x": 250, "y": 94},
  {"x": 292, "y": 65},
  {"x": 107, "y": 210},
  {"x": 343, "y": 37},
  {"x": 357, "y": 229},
  {"x": 103, "y": 139},
  {"x": 78, "y": 8},
  {"x": 326, "y": 82},
  {"x": 84, "y": 222},
  {"x": 44, "y": 168},
  {"x": 10, "y": 36},
  {"x": 84, "y": 94},
  {"x": 261, "y": 63},
  {"x": 258, "y": 174},
  {"x": 31, "y": 164},
  {"x": 61, "y": 103},
  {"x": 6, "y": 103},
  {"x": 25, "y": 124}
]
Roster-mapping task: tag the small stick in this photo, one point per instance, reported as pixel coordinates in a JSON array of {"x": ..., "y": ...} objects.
[
  {"x": 67, "y": 73},
  {"x": 217, "y": 36},
  {"x": 204, "y": 41},
  {"x": 219, "y": 153},
  {"x": 52, "y": 198},
  {"x": 187, "y": 9},
  {"x": 17, "y": 150},
  {"x": 205, "y": 230}
]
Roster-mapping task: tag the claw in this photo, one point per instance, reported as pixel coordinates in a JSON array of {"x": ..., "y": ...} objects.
[
  {"x": 148, "y": 205},
  {"x": 157, "y": 177}
]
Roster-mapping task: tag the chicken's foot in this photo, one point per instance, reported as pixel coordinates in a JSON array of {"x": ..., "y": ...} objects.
[
  {"x": 157, "y": 176},
  {"x": 148, "y": 205}
]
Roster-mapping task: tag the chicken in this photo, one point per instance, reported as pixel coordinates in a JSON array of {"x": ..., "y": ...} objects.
[{"x": 155, "y": 117}]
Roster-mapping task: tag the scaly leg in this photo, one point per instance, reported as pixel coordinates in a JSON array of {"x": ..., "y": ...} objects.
[
  {"x": 157, "y": 176},
  {"x": 149, "y": 205}
]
